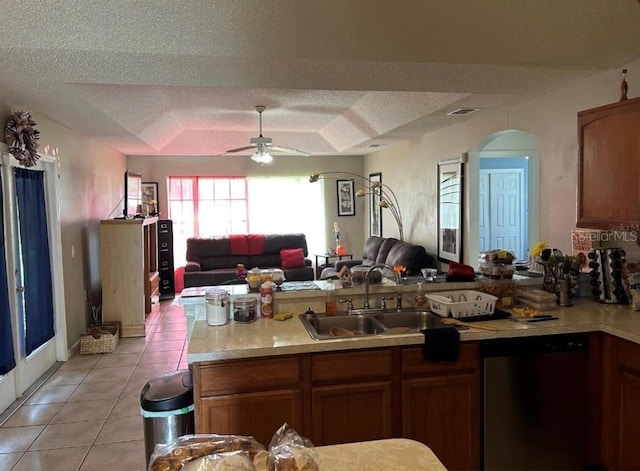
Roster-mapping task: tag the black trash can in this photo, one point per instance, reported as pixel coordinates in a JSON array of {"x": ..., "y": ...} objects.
[{"x": 166, "y": 405}]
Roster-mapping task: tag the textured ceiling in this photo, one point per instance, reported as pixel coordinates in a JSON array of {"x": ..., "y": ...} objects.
[{"x": 183, "y": 77}]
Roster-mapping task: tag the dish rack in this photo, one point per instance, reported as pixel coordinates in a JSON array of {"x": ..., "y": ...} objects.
[{"x": 462, "y": 304}]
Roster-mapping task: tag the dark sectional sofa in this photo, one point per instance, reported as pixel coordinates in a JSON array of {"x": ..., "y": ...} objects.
[
  {"x": 213, "y": 261},
  {"x": 390, "y": 251}
]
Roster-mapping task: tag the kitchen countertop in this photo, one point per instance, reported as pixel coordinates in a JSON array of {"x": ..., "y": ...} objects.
[
  {"x": 268, "y": 337},
  {"x": 398, "y": 454}
]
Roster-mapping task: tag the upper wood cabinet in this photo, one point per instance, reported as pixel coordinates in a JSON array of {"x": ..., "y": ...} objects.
[{"x": 609, "y": 170}]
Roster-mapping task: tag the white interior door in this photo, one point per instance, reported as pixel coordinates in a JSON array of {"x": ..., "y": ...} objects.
[
  {"x": 502, "y": 211},
  {"x": 29, "y": 368},
  {"x": 484, "y": 217}
]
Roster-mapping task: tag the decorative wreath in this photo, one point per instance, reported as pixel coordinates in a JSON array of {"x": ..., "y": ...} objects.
[{"x": 22, "y": 137}]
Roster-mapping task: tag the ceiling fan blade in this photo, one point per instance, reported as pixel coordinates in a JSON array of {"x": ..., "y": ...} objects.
[
  {"x": 240, "y": 149},
  {"x": 289, "y": 150}
]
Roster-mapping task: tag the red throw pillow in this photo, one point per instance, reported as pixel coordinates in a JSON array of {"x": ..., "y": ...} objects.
[{"x": 292, "y": 258}]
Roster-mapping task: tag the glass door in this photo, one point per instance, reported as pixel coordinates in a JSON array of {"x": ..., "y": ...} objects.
[{"x": 33, "y": 282}]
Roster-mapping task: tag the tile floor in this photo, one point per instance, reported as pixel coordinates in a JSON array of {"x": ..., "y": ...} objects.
[{"x": 86, "y": 415}]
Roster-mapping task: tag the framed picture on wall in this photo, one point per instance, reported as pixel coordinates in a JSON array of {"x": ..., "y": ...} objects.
[
  {"x": 346, "y": 198},
  {"x": 375, "y": 211},
  {"x": 450, "y": 211}
]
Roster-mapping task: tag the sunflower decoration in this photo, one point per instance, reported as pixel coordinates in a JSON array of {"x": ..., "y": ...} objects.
[{"x": 22, "y": 138}]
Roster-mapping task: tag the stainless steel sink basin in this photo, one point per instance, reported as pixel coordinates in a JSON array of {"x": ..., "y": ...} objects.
[
  {"x": 324, "y": 327},
  {"x": 410, "y": 321}
]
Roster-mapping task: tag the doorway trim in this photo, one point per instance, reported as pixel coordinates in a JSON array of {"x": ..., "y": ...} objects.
[{"x": 473, "y": 190}]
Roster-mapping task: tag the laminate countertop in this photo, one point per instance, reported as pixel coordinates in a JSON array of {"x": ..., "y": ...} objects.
[
  {"x": 268, "y": 337},
  {"x": 398, "y": 454}
]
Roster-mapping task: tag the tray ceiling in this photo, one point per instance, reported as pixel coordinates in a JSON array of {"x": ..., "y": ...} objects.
[{"x": 336, "y": 76}]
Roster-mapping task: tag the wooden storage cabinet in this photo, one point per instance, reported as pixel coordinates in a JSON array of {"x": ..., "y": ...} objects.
[
  {"x": 129, "y": 270},
  {"x": 621, "y": 404},
  {"x": 248, "y": 397},
  {"x": 441, "y": 405},
  {"x": 609, "y": 165},
  {"x": 258, "y": 414},
  {"x": 351, "y": 396},
  {"x": 348, "y": 396}
]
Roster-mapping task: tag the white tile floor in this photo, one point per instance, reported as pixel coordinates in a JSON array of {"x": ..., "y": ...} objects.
[{"x": 86, "y": 416}]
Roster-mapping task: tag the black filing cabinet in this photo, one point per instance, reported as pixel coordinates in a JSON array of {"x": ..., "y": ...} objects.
[{"x": 165, "y": 259}]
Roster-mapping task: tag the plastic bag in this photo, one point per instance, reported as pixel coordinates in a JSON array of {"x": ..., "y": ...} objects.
[
  {"x": 233, "y": 461},
  {"x": 183, "y": 450},
  {"x": 288, "y": 451}
]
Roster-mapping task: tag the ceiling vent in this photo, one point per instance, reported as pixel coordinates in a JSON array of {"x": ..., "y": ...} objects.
[{"x": 462, "y": 111}]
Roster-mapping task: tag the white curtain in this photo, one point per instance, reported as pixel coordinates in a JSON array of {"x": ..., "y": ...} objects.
[{"x": 280, "y": 205}]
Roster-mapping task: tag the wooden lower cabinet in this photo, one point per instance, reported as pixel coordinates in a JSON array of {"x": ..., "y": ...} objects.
[
  {"x": 444, "y": 413},
  {"x": 351, "y": 413},
  {"x": 348, "y": 396},
  {"x": 621, "y": 404},
  {"x": 258, "y": 414}
]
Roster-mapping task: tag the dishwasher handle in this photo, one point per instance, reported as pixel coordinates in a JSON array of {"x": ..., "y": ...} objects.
[{"x": 534, "y": 344}]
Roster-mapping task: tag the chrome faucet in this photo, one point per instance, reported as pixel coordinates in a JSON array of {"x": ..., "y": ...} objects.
[{"x": 366, "y": 281}]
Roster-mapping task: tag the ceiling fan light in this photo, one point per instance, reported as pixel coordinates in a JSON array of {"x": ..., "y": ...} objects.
[{"x": 261, "y": 156}]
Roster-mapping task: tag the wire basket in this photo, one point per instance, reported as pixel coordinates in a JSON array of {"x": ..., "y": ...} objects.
[
  {"x": 100, "y": 338},
  {"x": 461, "y": 304}
]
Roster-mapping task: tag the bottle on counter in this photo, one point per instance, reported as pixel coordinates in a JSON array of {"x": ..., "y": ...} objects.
[
  {"x": 420, "y": 300},
  {"x": 266, "y": 300},
  {"x": 331, "y": 303}
]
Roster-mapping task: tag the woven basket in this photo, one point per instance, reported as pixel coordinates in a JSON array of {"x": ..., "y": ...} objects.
[{"x": 101, "y": 338}]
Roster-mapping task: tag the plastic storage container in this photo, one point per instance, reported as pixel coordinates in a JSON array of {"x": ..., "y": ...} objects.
[
  {"x": 166, "y": 405},
  {"x": 504, "y": 290},
  {"x": 497, "y": 271},
  {"x": 217, "y": 306}
]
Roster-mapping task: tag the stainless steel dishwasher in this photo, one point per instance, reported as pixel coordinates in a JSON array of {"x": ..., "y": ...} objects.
[{"x": 535, "y": 403}]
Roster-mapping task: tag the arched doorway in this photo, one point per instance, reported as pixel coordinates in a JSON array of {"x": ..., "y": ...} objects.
[{"x": 503, "y": 190}]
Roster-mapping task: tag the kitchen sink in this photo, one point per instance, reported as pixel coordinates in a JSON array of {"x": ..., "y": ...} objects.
[
  {"x": 323, "y": 327},
  {"x": 408, "y": 321}
]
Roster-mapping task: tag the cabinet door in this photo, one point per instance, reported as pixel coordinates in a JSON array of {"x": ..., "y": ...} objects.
[
  {"x": 608, "y": 190},
  {"x": 257, "y": 414},
  {"x": 351, "y": 413},
  {"x": 621, "y": 406},
  {"x": 443, "y": 412}
]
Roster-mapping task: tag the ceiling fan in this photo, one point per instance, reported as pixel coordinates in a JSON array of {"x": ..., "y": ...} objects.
[{"x": 263, "y": 145}]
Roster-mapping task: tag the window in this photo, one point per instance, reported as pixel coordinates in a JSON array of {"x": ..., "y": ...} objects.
[
  {"x": 220, "y": 206},
  {"x": 287, "y": 204},
  {"x": 206, "y": 207}
]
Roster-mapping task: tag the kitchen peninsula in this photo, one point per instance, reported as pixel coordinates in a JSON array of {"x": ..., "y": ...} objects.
[{"x": 250, "y": 378}]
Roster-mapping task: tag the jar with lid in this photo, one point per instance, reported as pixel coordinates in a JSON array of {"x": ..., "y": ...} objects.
[
  {"x": 244, "y": 309},
  {"x": 217, "y": 306}
]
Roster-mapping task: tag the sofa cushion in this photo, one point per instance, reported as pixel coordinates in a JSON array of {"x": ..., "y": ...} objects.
[
  {"x": 292, "y": 258},
  {"x": 198, "y": 249},
  {"x": 228, "y": 261},
  {"x": 410, "y": 255},
  {"x": 274, "y": 243},
  {"x": 385, "y": 247},
  {"x": 371, "y": 248},
  {"x": 239, "y": 244},
  {"x": 265, "y": 261},
  {"x": 256, "y": 244}
]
